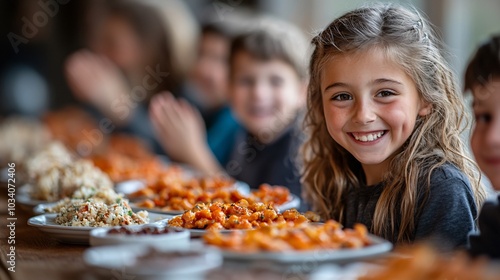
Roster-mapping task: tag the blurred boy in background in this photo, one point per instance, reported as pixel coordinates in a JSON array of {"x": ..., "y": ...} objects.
[
  {"x": 482, "y": 77},
  {"x": 268, "y": 82}
]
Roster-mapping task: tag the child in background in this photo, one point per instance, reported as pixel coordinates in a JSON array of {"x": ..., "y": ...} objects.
[
  {"x": 384, "y": 117},
  {"x": 138, "y": 49},
  {"x": 268, "y": 81},
  {"x": 210, "y": 79},
  {"x": 482, "y": 77}
]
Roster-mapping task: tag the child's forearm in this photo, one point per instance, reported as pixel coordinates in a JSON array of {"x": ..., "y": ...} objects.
[{"x": 205, "y": 161}]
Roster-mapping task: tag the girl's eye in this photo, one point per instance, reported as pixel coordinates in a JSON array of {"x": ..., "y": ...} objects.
[
  {"x": 385, "y": 93},
  {"x": 342, "y": 97},
  {"x": 482, "y": 118}
]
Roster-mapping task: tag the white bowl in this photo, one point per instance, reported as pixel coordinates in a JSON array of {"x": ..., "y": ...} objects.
[
  {"x": 175, "y": 239},
  {"x": 125, "y": 260}
]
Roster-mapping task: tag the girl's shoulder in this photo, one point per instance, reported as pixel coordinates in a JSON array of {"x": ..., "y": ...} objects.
[
  {"x": 450, "y": 181},
  {"x": 447, "y": 172}
]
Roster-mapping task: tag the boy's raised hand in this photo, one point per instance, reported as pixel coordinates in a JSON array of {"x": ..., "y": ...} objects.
[{"x": 181, "y": 132}]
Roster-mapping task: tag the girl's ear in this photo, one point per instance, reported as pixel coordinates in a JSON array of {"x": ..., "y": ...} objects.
[{"x": 425, "y": 109}]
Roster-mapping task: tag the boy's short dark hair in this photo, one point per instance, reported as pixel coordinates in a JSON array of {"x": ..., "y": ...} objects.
[
  {"x": 272, "y": 39},
  {"x": 485, "y": 64}
]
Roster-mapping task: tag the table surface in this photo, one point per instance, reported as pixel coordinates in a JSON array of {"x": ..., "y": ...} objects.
[{"x": 38, "y": 255}]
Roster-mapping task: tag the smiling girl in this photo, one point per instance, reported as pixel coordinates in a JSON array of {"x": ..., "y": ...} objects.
[{"x": 384, "y": 121}]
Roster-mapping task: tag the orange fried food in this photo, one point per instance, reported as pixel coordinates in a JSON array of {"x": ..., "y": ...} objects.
[
  {"x": 73, "y": 126},
  {"x": 271, "y": 194},
  {"x": 120, "y": 167},
  {"x": 281, "y": 237},
  {"x": 238, "y": 215},
  {"x": 175, "y": 193},
  {"x": 183, "y": 195},
  {"x": 127, "y": 158}
]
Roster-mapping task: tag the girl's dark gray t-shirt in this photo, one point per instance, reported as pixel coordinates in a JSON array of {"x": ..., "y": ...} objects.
[{"x": 446, "y": 216}]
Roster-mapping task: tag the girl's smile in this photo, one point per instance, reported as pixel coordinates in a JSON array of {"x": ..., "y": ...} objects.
[{"x": 368, "y": 138}]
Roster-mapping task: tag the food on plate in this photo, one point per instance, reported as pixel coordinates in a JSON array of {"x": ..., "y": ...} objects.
[
  {"x": 75, "y": 128},
  {"x": 279, "y": 238},
  {"x": 178, "y": 195},
  {"x": 84, "y": 193},
  {"x": 120, "y": 167},
  {"x": 20, "y": 138},
  {"x": 54, "y": 154},
  {"x": 422, "y": 262},
  {"x": 238, "y": 215},
  {"x": 266, "y": 193},
  {"x": 92, "y": 213},
  {"x": 62, "y": 181},
  {"x": 127, "y": 158}
]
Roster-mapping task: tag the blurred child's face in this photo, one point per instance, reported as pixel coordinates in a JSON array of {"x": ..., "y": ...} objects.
[
  {"x": 370, "y": 106},
  {"x": 210, "y": 72},
  {"x": 265, "y": 95},
  {"x": 120, "y": 43},
  {"x": 485, "y": 139}
]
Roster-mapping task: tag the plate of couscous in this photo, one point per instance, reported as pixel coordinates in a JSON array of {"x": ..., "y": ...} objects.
[{"x": 72, "y": 224}]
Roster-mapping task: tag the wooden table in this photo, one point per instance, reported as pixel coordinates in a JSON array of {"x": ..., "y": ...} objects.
[{"x": 37, "y": 256}]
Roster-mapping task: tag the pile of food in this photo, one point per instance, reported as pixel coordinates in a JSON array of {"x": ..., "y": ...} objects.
[
  {"x": 279, "y": 238},
  {"x": 239, "y": 215},
  {"x": 179, "y": 195},
  {"x": 127, "y": 158},
  {"x": 106, "y": 196},
  {"x": 99, "y": 214},
  {"x": 20, "y": 138},
  {"x": 54, "y": 154},
  {"x": 74, "y": 127},
  {"x": 62, "y": 181}
]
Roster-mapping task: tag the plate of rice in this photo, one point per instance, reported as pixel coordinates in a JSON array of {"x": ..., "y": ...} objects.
[{"x": 73, "y": 223}]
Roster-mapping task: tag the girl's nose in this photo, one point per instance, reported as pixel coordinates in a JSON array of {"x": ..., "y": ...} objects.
[{"x": 363, "y": 112}]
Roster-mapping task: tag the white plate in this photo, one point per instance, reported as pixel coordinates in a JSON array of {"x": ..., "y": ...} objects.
[
  {"x": 129, "y": 187},
  {"x": 156, "y": 210},
  {"x": 379, "y": 246},
  {"x": 74, "y": 235},
  {"x": 23, "y": 198},
  {"x": 120, "y": 260},
  {"x": 177, "y": 239},
  {"x": 42, "y": 208}
]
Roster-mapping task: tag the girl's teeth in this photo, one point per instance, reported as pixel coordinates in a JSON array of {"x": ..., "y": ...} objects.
[{"x": 369, "y": 137}]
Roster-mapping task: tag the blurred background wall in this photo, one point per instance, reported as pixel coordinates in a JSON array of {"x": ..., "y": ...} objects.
[{"x": 39, "y": 34}]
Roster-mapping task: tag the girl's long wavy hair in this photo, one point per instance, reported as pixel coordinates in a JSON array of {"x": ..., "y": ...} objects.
[{"x": 329, "y": 170}]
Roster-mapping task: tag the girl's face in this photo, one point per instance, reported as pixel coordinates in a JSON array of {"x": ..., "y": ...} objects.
[
  {"x": 265, "y": 95},
  {"x": 370, "y": 106},
  {"x": 485, "y": 141}
]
